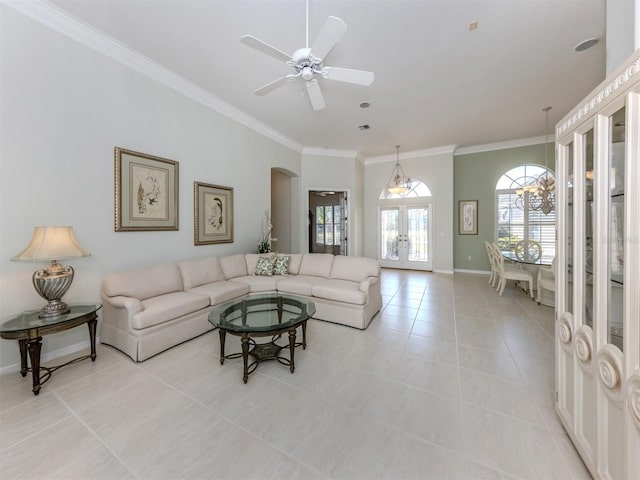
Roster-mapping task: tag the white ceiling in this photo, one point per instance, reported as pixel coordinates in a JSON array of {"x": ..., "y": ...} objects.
[{"x": 436, "y": 82}]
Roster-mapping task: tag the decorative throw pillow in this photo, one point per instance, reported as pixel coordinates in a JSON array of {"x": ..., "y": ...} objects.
[
  {"x": 264, "y": 266},
  {"x": 281, "y": 266}
]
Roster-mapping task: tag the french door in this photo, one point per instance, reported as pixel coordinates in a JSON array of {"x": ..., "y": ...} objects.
[{"x": 404, "y": 237}]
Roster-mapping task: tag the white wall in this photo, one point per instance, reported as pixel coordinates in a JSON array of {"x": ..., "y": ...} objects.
[
  {"x": 333, "y": 171},
  {"x": 281, "y": 211},
  {"x": 435, "y": 169},
  {"x": 64, "y": 108},
  {"x": 622, "y": 31}
]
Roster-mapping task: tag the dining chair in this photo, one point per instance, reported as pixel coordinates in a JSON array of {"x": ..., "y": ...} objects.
[
  {"x": 546, "y": 281},
  {"x": 506, "y": 273},
  {"x": 528, "y": 251},
  {"x": 496, "y": 253},
  {"x": 492, "y": 263}
]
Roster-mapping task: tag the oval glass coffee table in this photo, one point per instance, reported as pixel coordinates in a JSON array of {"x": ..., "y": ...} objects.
[{"x": 262, "y": 315}]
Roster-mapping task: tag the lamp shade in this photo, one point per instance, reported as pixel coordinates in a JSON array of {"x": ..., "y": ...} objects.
[{"x": 51, "y": 243}]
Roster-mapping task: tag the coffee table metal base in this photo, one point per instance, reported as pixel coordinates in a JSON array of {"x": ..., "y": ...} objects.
[{"x": 264, "y": 351}]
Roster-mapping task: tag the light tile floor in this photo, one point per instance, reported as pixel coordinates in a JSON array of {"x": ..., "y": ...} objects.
[{"x": 449, "y": 381}]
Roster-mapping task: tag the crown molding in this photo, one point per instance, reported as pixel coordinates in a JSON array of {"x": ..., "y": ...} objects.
[
  {"x": 55, "y": 18},
  {"x": 623, "y": 78},
  {"x": 330, "y": 152},
  {"x": 490, "y": 147},
  {"x": 430, "y": 152}
]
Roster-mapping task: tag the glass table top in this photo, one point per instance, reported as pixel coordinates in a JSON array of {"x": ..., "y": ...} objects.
[
  {"x": 262, "y": 312},
  {"x": 29, "y": 319},
  {"x": 509, "y": 255}
]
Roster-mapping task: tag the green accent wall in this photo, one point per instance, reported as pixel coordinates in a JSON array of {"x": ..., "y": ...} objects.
[{"x": 475, "y": 177}]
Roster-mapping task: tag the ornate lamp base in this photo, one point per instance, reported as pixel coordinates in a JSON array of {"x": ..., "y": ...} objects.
[{"x": 51, "y": 284}]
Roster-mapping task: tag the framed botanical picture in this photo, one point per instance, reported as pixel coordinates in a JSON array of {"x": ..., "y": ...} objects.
[
  {"x": 213, "y": 214},
  {"x": 467, "y": 217},
  {"x": 146, "y": 192}
]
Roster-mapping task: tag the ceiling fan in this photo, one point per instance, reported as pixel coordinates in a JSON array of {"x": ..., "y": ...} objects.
[{"x": 308, "y": 63}]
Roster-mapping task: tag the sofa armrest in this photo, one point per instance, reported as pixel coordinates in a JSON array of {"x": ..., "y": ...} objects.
[
  {"x": 132, "y": 305},
  {"x": 365, "y": 285}
]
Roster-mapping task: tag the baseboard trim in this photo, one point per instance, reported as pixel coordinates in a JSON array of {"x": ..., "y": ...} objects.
[
  {"x": 76, "y": 347},
  {"x": 473, "y": 272},
  {"x": 448, "y": 272}
]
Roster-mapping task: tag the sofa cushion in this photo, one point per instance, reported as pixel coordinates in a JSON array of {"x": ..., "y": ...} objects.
[
  {"x": 316, "y": 264},
  {"x": 264, "y": 267},
  {"x": 233, "y": 266},
  {"x": 281, "y": 265},
  {"x": 258, "y": 283},
  {"x": 340, "y": 291},
  {"x": 167, "y": 307},
  {"x": 219, "y": 292},
  {"x": 355, "y": 269},
  {"x": 144, "y": 283},
  {"x": 200, "y": 272},
  {"x": 251, "y": 260},
  {"x": 298, "y": 284},
  {"x": 294, "y": 263}
]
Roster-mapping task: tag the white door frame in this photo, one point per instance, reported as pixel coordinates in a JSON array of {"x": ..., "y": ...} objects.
[{"x": 403, "y": 262}]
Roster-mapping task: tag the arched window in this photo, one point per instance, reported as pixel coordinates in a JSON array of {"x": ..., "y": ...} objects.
[
  {"x": 417, "y": 189},
  {"x": 518, "y": 213}
]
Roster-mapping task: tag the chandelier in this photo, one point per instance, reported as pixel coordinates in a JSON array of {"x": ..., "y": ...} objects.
[
  {"x": 398, "y": 183},
  {"x": 539, "y": 194}
]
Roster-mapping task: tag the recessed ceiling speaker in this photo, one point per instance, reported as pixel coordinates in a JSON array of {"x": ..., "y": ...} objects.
[{"x": 585, "y": 44}]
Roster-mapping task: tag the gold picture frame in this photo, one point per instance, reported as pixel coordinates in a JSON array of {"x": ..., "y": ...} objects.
[
  {"x": 212, "y": 214},
  {"x": 468, "y": 217},
  {"x": 146, "y": 192}
]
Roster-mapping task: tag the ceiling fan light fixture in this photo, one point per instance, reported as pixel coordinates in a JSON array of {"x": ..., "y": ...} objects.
[
  {"x": 307, "y": 73},
  {"x": 308, "y": 62}
]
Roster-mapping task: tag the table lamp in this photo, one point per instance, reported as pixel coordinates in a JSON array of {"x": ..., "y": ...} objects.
[{"x": 52, "y": 243}]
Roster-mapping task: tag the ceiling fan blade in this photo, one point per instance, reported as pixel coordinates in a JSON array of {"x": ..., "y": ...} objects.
[
  {"x": 269, "y": 87},
  {"x": 259, "y": 45},
  {"x": 349, "y": 75},
  {"x": 315, "y": 95},
  {"x": 331, "y": 32}
]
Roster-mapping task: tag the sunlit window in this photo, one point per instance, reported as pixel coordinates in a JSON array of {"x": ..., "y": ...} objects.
[{"x": 516, "y": 220}]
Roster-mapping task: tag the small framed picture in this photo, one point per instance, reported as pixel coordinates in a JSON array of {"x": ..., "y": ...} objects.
[
  {"x": 467, "y": 217},
  {"x": 213, "y": 214},
  {"x": 146, "y": 192}
]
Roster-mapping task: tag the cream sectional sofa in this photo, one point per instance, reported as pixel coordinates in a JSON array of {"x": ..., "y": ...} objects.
[{"x": 147, "y": 311}]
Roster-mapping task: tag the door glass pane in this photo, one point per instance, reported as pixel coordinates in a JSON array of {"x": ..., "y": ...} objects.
[
  {"x": 389, "y": 234},
  {"x": 328, "y": 231},
  {"x": 320, "y": 234},
  {"x": 328, "y": 214},
  {"x": 417, "y": 234},
  {"x": 616, "y": 171},
  {"x": 569, "y": 230},
  {"x": 587, "y": 316}
]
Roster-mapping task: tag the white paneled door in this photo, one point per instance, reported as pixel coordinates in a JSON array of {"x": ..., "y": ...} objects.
[{"x": 404, "y": 237}]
